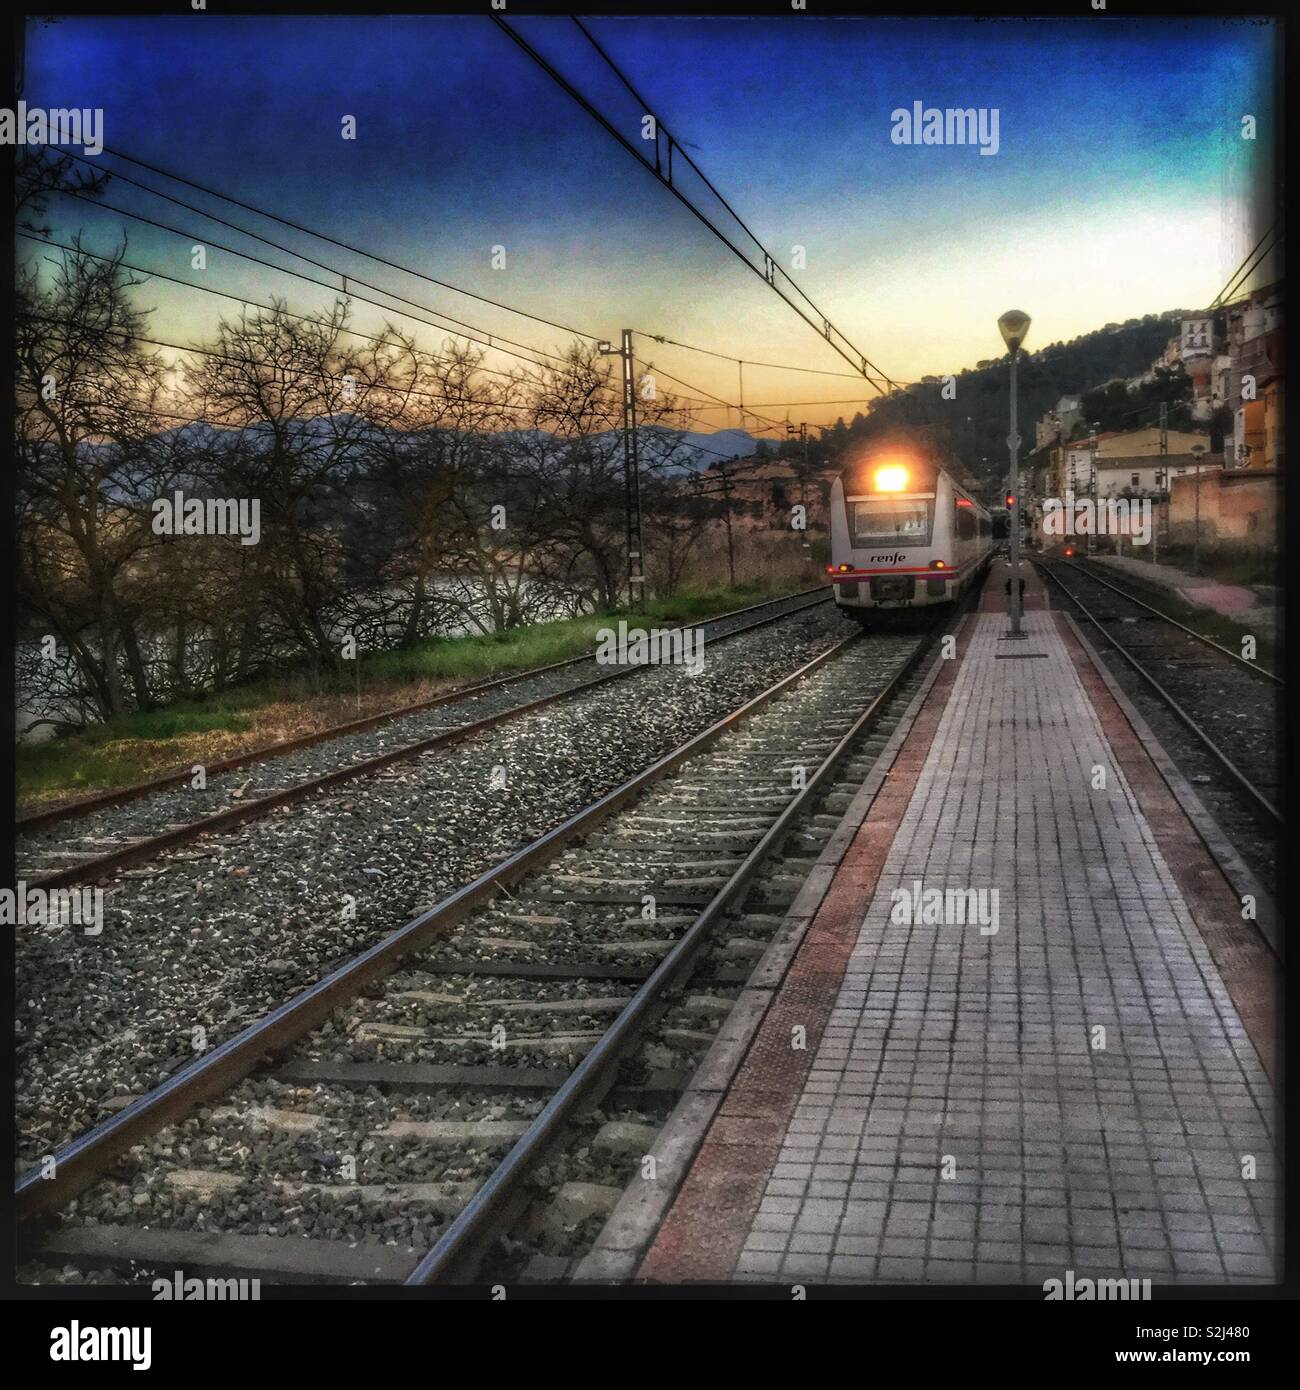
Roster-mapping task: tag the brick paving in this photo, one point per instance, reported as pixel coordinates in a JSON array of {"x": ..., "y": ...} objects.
[{"x": 1071, "y": 1091}]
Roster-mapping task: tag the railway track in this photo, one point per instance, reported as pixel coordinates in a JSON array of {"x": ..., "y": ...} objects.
[
  {"x": 212, "y": 935},
  {"x": 465, "y": 1096},
  {"x": 92, "y": 839},
  {"x": 1231, "y": 706}
]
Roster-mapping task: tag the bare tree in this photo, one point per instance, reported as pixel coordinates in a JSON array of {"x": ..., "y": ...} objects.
[{"x": 86, "y": 395}]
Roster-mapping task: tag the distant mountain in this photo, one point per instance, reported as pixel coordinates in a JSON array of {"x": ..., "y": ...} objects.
[{"x": 695, "y": 450}]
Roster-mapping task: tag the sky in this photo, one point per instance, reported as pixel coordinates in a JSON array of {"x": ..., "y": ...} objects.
[{"x": 1121, "y": 185}]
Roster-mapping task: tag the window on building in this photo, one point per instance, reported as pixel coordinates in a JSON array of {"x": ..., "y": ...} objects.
[{"x": 1136, "y": 478}]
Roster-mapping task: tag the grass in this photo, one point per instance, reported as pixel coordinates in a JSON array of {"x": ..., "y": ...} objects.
[
  {"x": 1206, "y": 621},
  {"x": 1222, "y": 566},
  {"x": 141, "y": 746}
]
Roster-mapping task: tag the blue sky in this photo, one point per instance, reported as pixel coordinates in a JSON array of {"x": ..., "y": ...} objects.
[{"x": 1122, "y": 186}]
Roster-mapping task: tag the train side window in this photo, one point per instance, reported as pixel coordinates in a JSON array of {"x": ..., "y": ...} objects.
[{"x": 965, "y": 524}]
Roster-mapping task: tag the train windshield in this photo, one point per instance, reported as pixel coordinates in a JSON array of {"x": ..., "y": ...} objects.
[{"x": 892, "y": 521}]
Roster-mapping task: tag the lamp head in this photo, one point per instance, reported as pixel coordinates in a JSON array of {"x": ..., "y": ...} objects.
[{"x": 1014, "y": 326}]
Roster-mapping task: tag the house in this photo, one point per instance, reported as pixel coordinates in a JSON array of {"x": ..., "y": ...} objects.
[
  {"x": 1129, "y": 459},
  {"x": 1057, "y": 423},
  {"x": 1251, "y": 384}
]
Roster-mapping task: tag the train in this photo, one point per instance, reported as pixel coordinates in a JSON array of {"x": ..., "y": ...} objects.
[{"x": 905, "y": 534}]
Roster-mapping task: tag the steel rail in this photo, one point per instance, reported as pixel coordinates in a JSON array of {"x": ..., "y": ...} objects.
[
  {"x": 491, "y": 1208},
  {"x": 1243, "y": 783},
  {"x": 145, "y": 849},
  {"x": 120, "y": 796},
  {"x": 79, "y": 1162},
  {"x": 1173, "y": 622}
]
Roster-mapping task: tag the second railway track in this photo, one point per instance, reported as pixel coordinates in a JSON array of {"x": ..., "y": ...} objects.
[
  {"x": 208, "y": 936},
  {"x": 459, "y": 1098},
  {"x": 1230, "y": 706},
  {"x": 110, "y": 832}
]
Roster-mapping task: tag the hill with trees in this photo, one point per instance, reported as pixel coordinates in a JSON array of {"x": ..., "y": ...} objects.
[{"x": 968, "y": 425}]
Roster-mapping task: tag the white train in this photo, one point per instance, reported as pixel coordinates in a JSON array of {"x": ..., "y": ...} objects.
[{"x": 904, "y": 534}]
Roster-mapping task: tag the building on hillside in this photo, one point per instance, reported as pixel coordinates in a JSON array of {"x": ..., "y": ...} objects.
[
  {"x": 1200, "y": 343},
  {"x": 1234, "y": 358},
  {"x": 1251, "y": 384},
  {"x": 1057, "y": 423},
  {"x": 1131, "y": 452},
  {"x": 1144, "y": 475}
]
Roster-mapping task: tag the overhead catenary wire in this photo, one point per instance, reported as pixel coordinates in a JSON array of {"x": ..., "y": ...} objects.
[
  {"x": 1246, "y": 269},
  {"x": 486, "y": 341},
  {"x": 855, "y": 358},
  {"x": 370, "y": 386},
  {"x": 135, "y": 408},
  {"x": 255, "y": 303},
  {"x": 750, "y": 362},
  {"x": 319, "y": 236},
  {"x": 719, "y": 403},
  {"x": 489, "y": 340},
  {"x": 380, "y": 259}
]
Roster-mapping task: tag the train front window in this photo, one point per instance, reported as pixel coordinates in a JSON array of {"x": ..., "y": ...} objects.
[{"x": 892, "y": 521}]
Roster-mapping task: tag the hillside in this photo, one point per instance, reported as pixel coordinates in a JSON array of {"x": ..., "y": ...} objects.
[{"x": 972, "y": 427}]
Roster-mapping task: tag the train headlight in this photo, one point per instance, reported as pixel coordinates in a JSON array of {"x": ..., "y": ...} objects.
[
  {"x": 892, "y": 478},
  {"x": 938, "y": 565}
]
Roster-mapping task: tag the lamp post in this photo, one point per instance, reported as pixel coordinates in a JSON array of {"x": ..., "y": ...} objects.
[{"x": 1014, "y": 325}]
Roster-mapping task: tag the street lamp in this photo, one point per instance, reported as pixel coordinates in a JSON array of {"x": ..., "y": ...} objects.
[{"x": 1014, "y": 325}]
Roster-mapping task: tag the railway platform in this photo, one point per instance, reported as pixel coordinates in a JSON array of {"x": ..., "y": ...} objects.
[{"x": 1014, "y": 1027}]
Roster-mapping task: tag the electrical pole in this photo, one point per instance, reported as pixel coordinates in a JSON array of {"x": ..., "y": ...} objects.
[
  {"x": 631, "y": 469},
  {"x": 1092, "y": 487},
  {"x": 1163, "y": 480},
  {"x": 1197, "y": 451}
]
